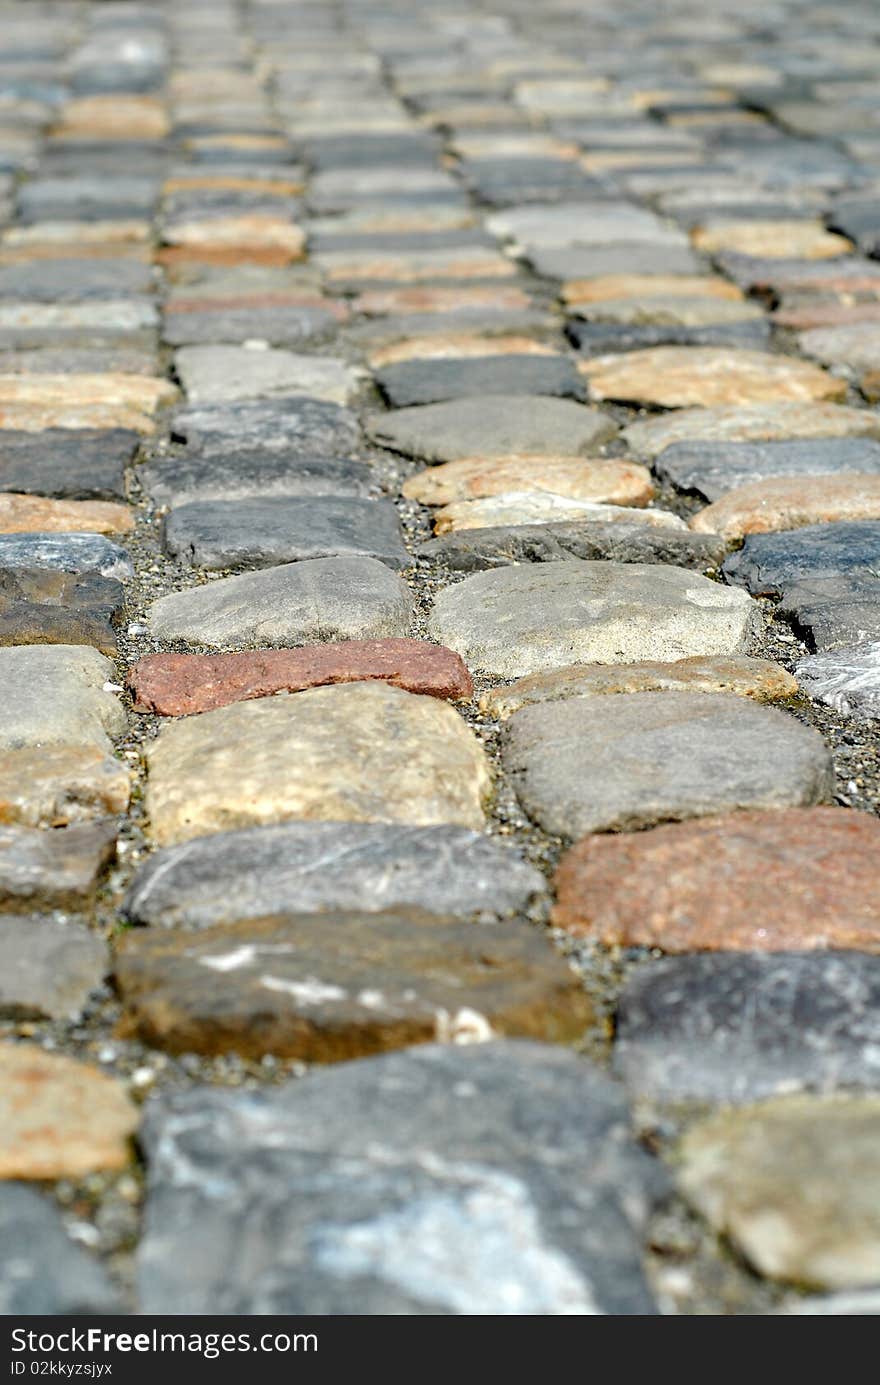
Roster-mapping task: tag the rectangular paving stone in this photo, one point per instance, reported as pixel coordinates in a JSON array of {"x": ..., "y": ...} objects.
[
  {"x": 48, "y": 970},
  {"x": 76, "y": 465},
  {"x": 215, "y": 534},
  {"x": 56, "y": 695},
  {"x": 427, "y": 382},
  {"x": 53, "y": 870},
  {"x": 359, "y": 752},
  {"x": 387, "y": 981},
  {"x": 298, "y": 425},
  {"x": 178, "y": 684},
  {"x": 45, "y": 606},
  {"x": 53, "y": 786},
  {"x": 80, "y": 553},
  {"x": 307, "y": 867},
  {"x": 711, "y": 469},
  {"x": 472, "y": 550},
  {"x": 536, "y": 1177},
  {"x": 217, "y": 474}
]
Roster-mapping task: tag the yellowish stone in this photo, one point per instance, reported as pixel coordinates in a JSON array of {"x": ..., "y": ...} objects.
[
  {"x": 678, "y": 376},
  {"x": 21, "y": 514},
  {"x": 456, "y": 346},
  {"x": 604, "y": 288},
  {"x": 60, "y": 1118},
  {"x": 543, "y": 507},
  {"x": 802, "y": 240},
  {"x": 789, "y": 502},
  {"x": 356, "y": 752},
  {"x": 472, "y": 478}
]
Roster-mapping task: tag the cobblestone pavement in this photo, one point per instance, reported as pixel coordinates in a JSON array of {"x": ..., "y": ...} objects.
[{"x": 439, "y": 657}]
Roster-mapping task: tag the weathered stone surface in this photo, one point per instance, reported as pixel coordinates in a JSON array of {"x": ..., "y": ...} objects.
[
  {"x": 855, "y": 346},
  {"x": 47, "y": 969},
  {"x": 110, "y": 390},
  {"x": 759, "y": 679},
  {"x": 330, "y": 986},
  {"x": 807, "y": 240},
  {"x": 279, "y": 325},
  {"x": 82, "y": 553},
  {"x": 355, "y": 1189},
  {"x": 299, "y": 426},
  {"x": 455, "y": 346},
  {"x": 43, "y": 1271},
  {"x": 793, "y": 1183},
  {"x": 601, "y": 338},
  {"x": 325, "y": 598},
  {"x": 678, "y": 376},
  {"x": 750, "y": 423},
  {"x": 427, "y": 382},
  {"x": 624, "y": 257},
  {"x": 772, "y": 564},
  {"x": 60, "y": 1118},
  {"x": 179, "y": 684},
  {"x": 512, "y": 508},
  {"x": 52, "y": 786},
  {"x": 472, "y": 550},
  {"x": 710, "y": 469},
  {"x": 53, "y": 870},
  {"x": 306, "y": 867},
  {"x": 216, "y": 534},
  {"x": 671, "y": 311},
  {"x": 440, "y": 300},
  {"x": 786, "y": 502},
  {"x": 790, "y": 879},
  {"x": 362, "y": 752},
  {"x": 77, "y": 465},
  {"x": 742, "y": 1028},
  {"x": 55, "y": 695},
  {"x": 494, "y": 426},
  {"x": 74, "y": 279},
  {"x": 621, "y": 483},
  {"x": 847, "y": 679},
  {"x": 603, "y": 288},
  {"x": 224, "y": 374},
  {"x": 580, "y": 766},
  {"x": 36, "y": 514},
  {"x": 520, "y": 620},
  {"x": 564, "y": 224},
  {"x": 45, "y": 606},
  {"x": 241, "y": 475}
]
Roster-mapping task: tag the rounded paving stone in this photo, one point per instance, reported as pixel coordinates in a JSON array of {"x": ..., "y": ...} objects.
[
  {"x": 332, "y": 986},
  {"x": 630, "y": 761},
  {"x": 525, "y": 619},
  {"x": 318, "y": 599},
  {"x": 362, "y": 752},
  {"x": 493, "y": 426},
  {"x": 679, "y": 376},
  {"x": 793, "y": 878},
  {"x": 790, "y": 502}
]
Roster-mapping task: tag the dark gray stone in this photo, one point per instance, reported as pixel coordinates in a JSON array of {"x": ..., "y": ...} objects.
[
  {"x": 215, "y": 534},
  {"x": 71, "y": 280},
  {"x": 72, "y": 464},
  {"x": 65, "y": 553},
  {"x": 711, "y": 469},
  {"x": 596, "y": 338},
  {"x": 241, "y": 475},
  {"x": 278, "y": 326},
  {"x": 740, "y": 1027},
  {"x": 48, "y": 969},
  {"x": 834, "y": 612},
  {"x": 303, "y": 867},
  {"x": 42, "y": 1271},
  {"x": 492, "y": 1179},
  {"x": 87, "y": 198},
  {"x": 429, "y": 382},
  {"x": 298, "y": 425},
  {"x": 770, "y": 564},
  {"x": 45, "y": 606},
  {"x": 646, "y": 758},
  {"x": 471, "y": 550},
  {"x": 401, "y": 149}
]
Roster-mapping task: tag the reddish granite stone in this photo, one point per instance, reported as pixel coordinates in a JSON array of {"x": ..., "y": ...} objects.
[
  {"x": 784, "y": 880},
  {"x": 177, "y": 684}
]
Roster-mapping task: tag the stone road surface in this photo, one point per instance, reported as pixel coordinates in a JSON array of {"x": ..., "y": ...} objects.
[{"x": 439, "y": 657}]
